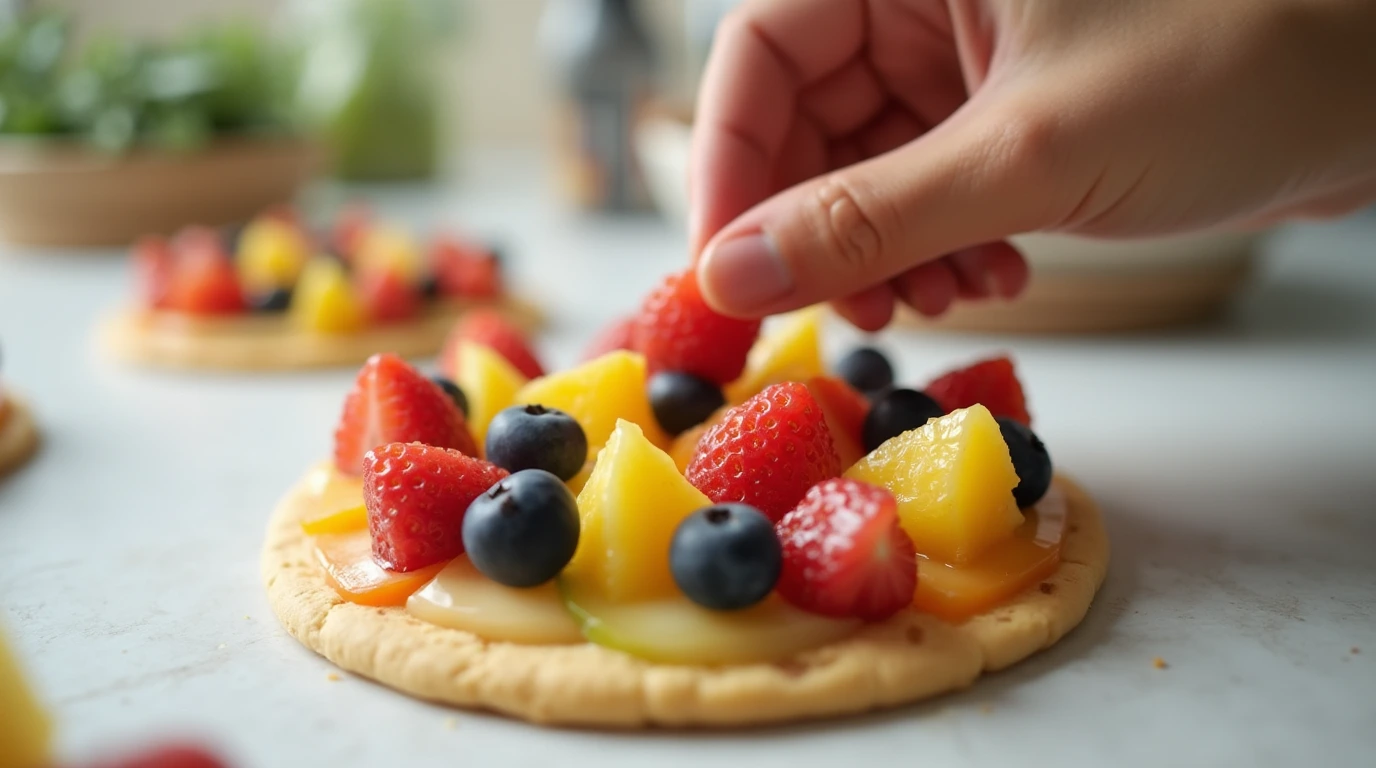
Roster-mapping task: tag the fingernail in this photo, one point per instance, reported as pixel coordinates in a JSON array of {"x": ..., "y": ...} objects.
[{"x": 747, "y": 272}]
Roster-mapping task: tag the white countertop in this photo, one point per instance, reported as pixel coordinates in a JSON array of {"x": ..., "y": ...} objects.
[{"x": 1236, "y": 466}]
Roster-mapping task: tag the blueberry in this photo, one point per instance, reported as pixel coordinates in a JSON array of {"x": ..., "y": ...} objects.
[
  {"x": 726, "y": 556},
  {"x": 522, "y": 531},
  {"x": 1030, "y": 461},
  {"x": 896, "y": 411},
  {"x": 866, "y": 369},
  {"x": 682, "y": 400},
  {"x": 275, "y": 300},
  {"x": 536, "y": 437},
  {"x": 230, "y": 235},
  {"x": 455, "y": 394},
  {"x": 429, "y": 287}
]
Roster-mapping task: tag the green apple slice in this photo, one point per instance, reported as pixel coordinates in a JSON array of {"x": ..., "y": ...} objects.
[
  {"x": 674, "y": 630},
  {"x": 460, "y": 597}
]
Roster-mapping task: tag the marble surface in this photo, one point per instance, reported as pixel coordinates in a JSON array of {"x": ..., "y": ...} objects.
[{"x": 1236, "y": 465}]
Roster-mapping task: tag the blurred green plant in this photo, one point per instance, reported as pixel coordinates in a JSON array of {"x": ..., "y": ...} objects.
[{"x": 116, "y": 94}]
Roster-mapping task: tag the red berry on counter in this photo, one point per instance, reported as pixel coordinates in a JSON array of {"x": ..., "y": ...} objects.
[
  {"x": 169, "y": 756},
  {"x": 416, "y": 496},
  {"x": 766, "y": 452},
  {"x": 616, "y": 336},
  {"x": 992, "y": 383},
  {"x": 392, "y": 402},
  {"x": 465, "y": 270},
  {"x": 153, "y": 267},
  {"x": 677, "y": 331},
  {"x": 387, "y": 297},
  {"x": 203, "y": 279},
  {"x": 489, "y": 328},
  {"x": 845, "y": 554},
  {"x": 350, "y": 226}
]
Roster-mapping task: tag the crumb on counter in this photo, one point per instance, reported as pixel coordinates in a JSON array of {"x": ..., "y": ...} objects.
[
  {"x": 1159, "y": 663},
  {"x": 1356, "y": 650},
  {"x": 985, "y": 709},
  {"x": 333, "y": 677},
  {"x": 451, "y": 723},
  {"x": 220, "y": 647}
]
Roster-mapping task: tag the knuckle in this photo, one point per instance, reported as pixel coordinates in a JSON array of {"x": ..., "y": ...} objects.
[
  {"x": 849, "y": 219},
  {"x": 1028, "y": 143}
]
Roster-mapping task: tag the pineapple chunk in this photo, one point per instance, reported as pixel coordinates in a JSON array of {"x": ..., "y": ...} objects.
[
  {"x": 598, "y": 393},
  {"x": 489, "y": 382},
  {"x": 325, "y": 301},
  {"x": 954, "y": 481},
  {"x": 791, "y": 351},
  {"x": 630, "y": 507}
]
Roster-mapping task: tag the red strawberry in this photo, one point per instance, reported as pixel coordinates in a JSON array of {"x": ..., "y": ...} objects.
[
  {"x": 170, "y": 756},
  {"x": 387, "y": 296},
  {"x": 350, "y": 225},
  {"x": 393, "y": 403},
  {"x": 992, "y": 383},
  {"x": 203, "y": 280},
  {"x": 845, "y": 410},
  {"x": 465, "y": 270},
  {"x": 489, "y": 328},
  {"x": 766, "y": 451},
  {"x": 153, "y": 267},
  {"x": 677, "y": 331},
  {"x": 845, "y": 554},
  {"x": 416, "y": 496},
  {"x": 618, "y": 335}
]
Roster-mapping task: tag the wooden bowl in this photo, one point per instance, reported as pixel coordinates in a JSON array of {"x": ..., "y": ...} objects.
[{"x": 60, "y": 193}]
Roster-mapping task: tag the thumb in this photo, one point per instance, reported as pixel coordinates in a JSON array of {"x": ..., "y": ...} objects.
[{"x": 979, "y": 177}]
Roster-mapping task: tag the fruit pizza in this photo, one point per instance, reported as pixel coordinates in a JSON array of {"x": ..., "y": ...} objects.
[
  {"x": 697, "y": 525},
  {"x": 276, "y": 294},
  {"x": 18, "y": 432}
]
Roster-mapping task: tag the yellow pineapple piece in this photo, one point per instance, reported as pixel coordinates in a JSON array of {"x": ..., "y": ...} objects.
[
  {"x": 391, "y": 251},
  {"x": 597, "y": 394},
  {"x": 25, "y": 730},
  {"x": 324, "y": 300},
  {"x": 954, "y": 481},
  {"x": 629, "y": 509},
  {"x": 791, "y": 351},
  {"x": 489, "y": 382},
  {"x": 578, "y": 481},
  {"x": 271, "y": 255}
]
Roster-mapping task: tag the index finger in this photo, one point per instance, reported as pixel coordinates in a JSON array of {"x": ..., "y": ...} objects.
[{"x": 764, "y": 54}]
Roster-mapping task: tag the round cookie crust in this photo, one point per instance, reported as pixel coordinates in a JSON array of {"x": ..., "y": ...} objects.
[
  {"x": 18, "y": 433},
  {"x": 269, "y": 343},
  {"x": 911, "y": 656}
]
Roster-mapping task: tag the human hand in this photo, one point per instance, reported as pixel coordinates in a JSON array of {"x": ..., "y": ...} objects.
[{"x": 873, "y": 151}]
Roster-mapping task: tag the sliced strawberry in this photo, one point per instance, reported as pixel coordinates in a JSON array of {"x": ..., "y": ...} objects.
[
  {"x": 845, "y": 554},
  {"x": 465, "y": 270},
  {"x": 618, "y": 335},
  {"x": 992, "y": 383},
  {"x": 153, "y": 268},
  {"x": 766, "y": 451},
  {"x": 392, "y": 402},
  {"x": 387, "y": 297},
  {"x": 677, "y": 331},
  {"x": 416, "y": 496},
  {"x": 845, "y": 410},
  {"x": 489, "y": 328},
  {"x": 203, "y": 280}
]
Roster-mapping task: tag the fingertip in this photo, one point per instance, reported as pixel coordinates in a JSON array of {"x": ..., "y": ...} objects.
[
  {"x": 1008, "y": 269},
  {"x": 869, "y": 310},
  {"x": 929, "y": 288}
]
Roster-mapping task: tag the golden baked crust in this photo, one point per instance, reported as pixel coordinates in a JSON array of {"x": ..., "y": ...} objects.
[
  {"x": 259, "y": 343},
  {"x": 18, "y": 433},
  {"x": 909, "y": 657}
]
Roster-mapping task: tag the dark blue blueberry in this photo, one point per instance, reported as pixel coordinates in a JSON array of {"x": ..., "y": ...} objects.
[
  {"x": 230, "y": 236},
  {"x": 726, "y": 556},
  {"x": 455, "y": 393},
  {"x": 275, "y": 300},
  {"x": 429, "y": 287},
  {"x": 866, "y": 369},
  {"x": 522, "y": 531},
  {"x": 896, "y": 411},
  {"x": 536, "y": 437},
  {"x": 681, "y": 400},
  {"x": 1030, "y": 461}
]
